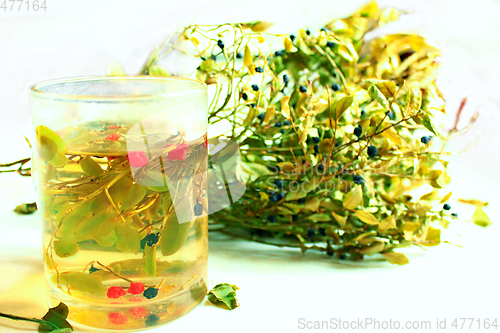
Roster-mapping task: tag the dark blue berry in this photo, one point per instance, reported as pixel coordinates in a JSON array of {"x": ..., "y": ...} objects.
[
  {"x": 358, "y": 131},
  {"x": 316, "y": 149},
  {"x": 93, "y": 269},
  {"x": 446, "y": 207},
  {"x": 363, "y": 112},
  {"x": 287, "y": 123},
  {"x": 455, "y": 215},
  {"x": 321, "y": 167},
  {"x": 308, "y": 32},
  {"x": 292, "y": 37},
  {"x": 278, "y": 183},
  {"x": 244, "y": 96},
  {"x": 152, "y": 320},
  {"x": 329, "y": 252},
  {"x": 358, "y": 179},
  {"x": 198, "y": 209},
  {"x": 278, "y": 53},
  {"x": 274, "y": 198},
  {"x": 316, "y": 139},
  {"x": 150, "y": 293},
  {"x": 282, "y": 131},
  {"x": 330, "y": 44},
  {"x": 295, "y": 218},
  {"x": 253, "y": 105},
  {"x": 322, "y": 29},
  {"x": 311, "y": 233},
  {"x": 391, "y": 115},
  {"x": 272, "y": 218},
  {"x": 281, "y": 195},
  {"x": 255, "y": 87},
  {"x": 302, "y": 89},
  {"x": 334, "y": 73},
  {"x": 301, "y": 200},
  {"x": 261, "y": 116},
  {"x": 335, "y": 87},
  {"x": 337, "y": 144},
  {"x": 259, "y": 69},
  {"x": 425, "y": 139},
  {"x": 220, "y": 44},
  {"x": 372, "y": 151},
  {"x": 322, "y": 231},
  {"x": 152, "y": 239},
  {"x": 285, "y": 78},
  {"x": 239, "y": 55},
  {"x": 278, "y": 124},
  {"x": 343, "y": 257}
]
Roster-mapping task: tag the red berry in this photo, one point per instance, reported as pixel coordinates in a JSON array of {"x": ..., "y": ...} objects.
[
  {"x": 138, "y": 312},
  {"x": 136, "y": 299},
  {"x": 115, "y": 292},
  {"x": 114, "y": 127},
  {"x": 179, "y": 153},
  {"x": 136, "y": 288},
  {"x": 113, "y": 137},
  {"x": 137, "y": 159},
  {"x": 117, "y": 318}
]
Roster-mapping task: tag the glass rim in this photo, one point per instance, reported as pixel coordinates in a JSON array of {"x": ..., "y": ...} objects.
[{"x": 35, "y": 89}]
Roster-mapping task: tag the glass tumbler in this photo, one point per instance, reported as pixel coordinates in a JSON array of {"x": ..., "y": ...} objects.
[{"x": 120, "y": 169}]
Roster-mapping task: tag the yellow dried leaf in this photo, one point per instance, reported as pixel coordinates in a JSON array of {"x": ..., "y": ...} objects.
[
  {"x": 340, "y": 219},
  {"x": 342, "y": 105},
  {"x": 115, "y": 69},
  {"x": 445, "y": 198},
  {"x": 480, "y": 218},
  {"x": 396, "y": 258},
  {"x": 354, "y": 198},
  {"x": 433, "y": 237},
  {"x": 285, "y": 107},
  {"x": 270, "y": 112},
  {"x": 261, "y": 39},
  {"x": 260, "y": 26},
  {"x": 287, "y": 43},
  {"x": 392, "y": 134},
  {"x": 387, "y": 223},
  {"x": 375, "y": 248},
  {"x": 413, "y": 101},
  {"x": 195, "y": 41},
  {"x": 366, "y": 217},
  {"x": 473, "y": 202},
  {"x": 247, "y": 57}
]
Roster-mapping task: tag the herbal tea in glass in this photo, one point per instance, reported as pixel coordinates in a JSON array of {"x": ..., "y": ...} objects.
[{"x": 120, "y": 170}]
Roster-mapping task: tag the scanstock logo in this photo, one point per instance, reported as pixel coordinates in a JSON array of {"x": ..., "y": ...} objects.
[{"x": 199, "y": 174}]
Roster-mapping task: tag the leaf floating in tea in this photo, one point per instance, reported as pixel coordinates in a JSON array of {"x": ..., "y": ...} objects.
[
  {"x": 80, "y": 281},
  {"x": 150, "y": 260},
  {"x": 224, "y": 294},
  {"x": 65, "y": 248},
  {"x": 51, "y": 147},
  {"x": 90, "y": 167}
]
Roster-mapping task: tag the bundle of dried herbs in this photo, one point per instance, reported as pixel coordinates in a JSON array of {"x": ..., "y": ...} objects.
[{"x": 335, "y": 133}]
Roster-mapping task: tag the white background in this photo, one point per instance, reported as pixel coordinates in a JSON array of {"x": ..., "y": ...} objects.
[{"x": 278, "y": 286}]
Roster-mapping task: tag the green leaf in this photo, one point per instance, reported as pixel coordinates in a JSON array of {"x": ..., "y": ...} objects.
[
  {"x": 80, "y": 281},
  {"x": 51, "y": 147},
  {"x": 157, "y": 70},
  {"x": 296, "y": 195},
  {"x": 386, "y": 87},
  {"x": 376, "y": 94},
  {"x": 342, "y": 105},
  {"x": 480, "y": 218},
  {"x": 174, "y": 234},
  {"x": 115, "y": 69},
  {"x": 150, "y": 260},
  {"x": 320, "y": 217},
  {"x": 95, "y": 226},
  {"x": 254, "y": 170},
  {"x": 128, "y": 239},
  {"x": 57, "y": 317},
  {"x": 26, "y": 208},
  {"x": 224, "y": 294},
  {"x": 90, "y": 167},
  {"x": 429, "y": 124},
  {"x": 65, "y": 248},
  {"x": 134, "y": 195}
]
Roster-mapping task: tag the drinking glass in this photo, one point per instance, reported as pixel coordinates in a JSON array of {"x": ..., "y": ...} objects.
[{"x": 120, "y": 169}]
